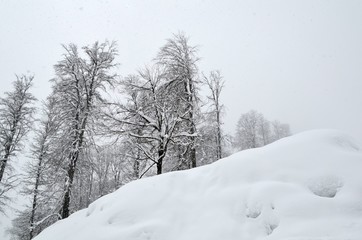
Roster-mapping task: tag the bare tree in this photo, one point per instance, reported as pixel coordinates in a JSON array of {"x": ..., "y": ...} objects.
[
  {"x": 150, "y": 117},
  {"x": 179, "y": 60},
  {"x": 254, "y": 130},
  {"x": 247, "y": 130},
  {"x": 16, "y": 111},
  {"x": 39, "y": 180},
  {"x": 41, "y": 151},
  {"x": 280, "y": 130},
  {"x": 77, "y": 87},
  {"x": 16, "y": 116},
  {"x": 215, "y": 84},
  {"x": 264, "y": 131}
]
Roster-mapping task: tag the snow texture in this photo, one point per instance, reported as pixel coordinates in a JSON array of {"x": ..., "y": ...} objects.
[{"x": 304, "y": 187}]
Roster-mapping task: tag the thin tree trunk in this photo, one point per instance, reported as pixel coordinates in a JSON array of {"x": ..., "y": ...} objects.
[
  {"x": 189, "y": 90},
  {"x": 35, "y": 196},
  {"x": 68, "y": 186},
  {"x": 161, "y": 155},
  {"x": 193, "y": 154},
  {"x": 4, "y": 161},
  {"x": 8, "y": 145},
  {"x": 136, "y": 167},
  {"x": 218, "y": 137},
  {"x": 89, "y": 194},
  {"x": 193, "y": 142},
  {"x": 80, "y": 194}
]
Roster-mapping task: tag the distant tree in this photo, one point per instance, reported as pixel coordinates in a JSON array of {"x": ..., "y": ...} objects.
[
  {"x": 264, "y": 131},
  {"x": 20, "y": 226},
  {"x": 77, "y": 88},
  {"x": 254, "y": 130},
  {"x": 5, "y": 187},
  {"x": 279, "y": 130},
  {"x": 215, "y": 84},
  {"x": 247, "y": 130},
  {"x": 179, "y": 60},
  {"x": 207, "y": 150}
]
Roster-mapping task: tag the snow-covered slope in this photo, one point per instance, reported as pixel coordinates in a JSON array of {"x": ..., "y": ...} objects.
[{"x": 305, "y": 187}]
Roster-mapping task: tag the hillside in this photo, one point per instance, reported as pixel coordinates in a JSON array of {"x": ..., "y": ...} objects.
[{"x": 304, "y": 187}]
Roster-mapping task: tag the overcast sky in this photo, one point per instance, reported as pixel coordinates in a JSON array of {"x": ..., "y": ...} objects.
[{"x": 296, "y": 61}]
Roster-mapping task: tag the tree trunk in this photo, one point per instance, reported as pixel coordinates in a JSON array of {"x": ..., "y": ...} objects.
[
  {"x": 74, "y": 155},
  {"x": 160, "y": 161},
  {"x": 4, "y": 162},
  {"x": 35, "y": 196},
  {"x": 193, "y": 154},
  {"x": 80, "y": 204},
  {"x": 193, "y": 142},
  {"x": 7, "y": 149},
  {"x": 136, "y": 168},
  {"x": 68, "y": 186},
  {"x": 89, "y": 193},
  {"x": 190, "y": 91},
  {"x": 218, "y": 136}
]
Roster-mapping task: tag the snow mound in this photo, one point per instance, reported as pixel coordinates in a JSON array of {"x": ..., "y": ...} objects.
[
  {"x": 305, "y": 187},
  {"x": 325, "y": 186}
]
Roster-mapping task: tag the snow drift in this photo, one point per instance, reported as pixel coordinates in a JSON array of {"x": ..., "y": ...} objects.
[{"x": 304, "y": 187}]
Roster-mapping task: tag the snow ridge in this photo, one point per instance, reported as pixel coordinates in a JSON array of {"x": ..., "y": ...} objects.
[{"x": 304, "y": 187}]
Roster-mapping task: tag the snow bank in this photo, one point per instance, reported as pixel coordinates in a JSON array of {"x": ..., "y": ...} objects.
[{"x": 305, "y": 187}]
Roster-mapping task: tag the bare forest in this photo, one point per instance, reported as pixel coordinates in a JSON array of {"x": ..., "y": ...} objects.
[{"x": 99, "y": 130}]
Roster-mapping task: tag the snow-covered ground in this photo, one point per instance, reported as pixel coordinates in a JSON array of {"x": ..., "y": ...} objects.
[{"x": 305, "y": 187}]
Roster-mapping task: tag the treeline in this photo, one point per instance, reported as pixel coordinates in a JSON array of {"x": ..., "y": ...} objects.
[
  {"x": 85, "y": 145},
  {"x": 254, "y": 130}
]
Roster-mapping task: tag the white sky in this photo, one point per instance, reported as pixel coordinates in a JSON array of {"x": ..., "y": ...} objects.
[{"x": 296, "y": 61}]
